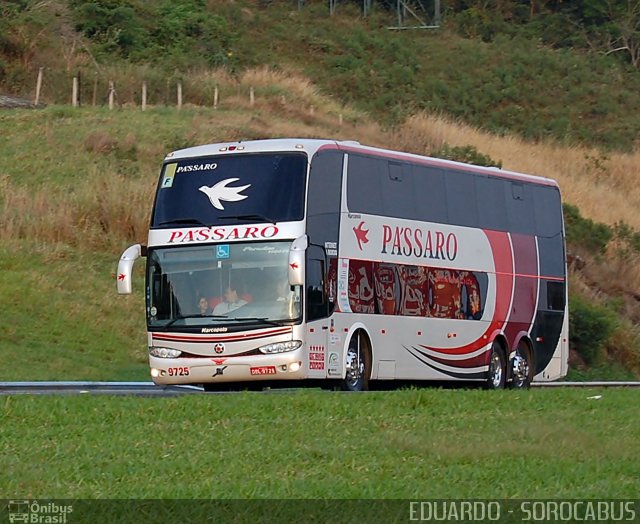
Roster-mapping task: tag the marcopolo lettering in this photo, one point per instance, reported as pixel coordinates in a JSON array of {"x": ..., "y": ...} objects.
[
  {"x": 221, "y": 233},
  {"x": 196, "y": 167},
  {"x": 421, "y": 243}
]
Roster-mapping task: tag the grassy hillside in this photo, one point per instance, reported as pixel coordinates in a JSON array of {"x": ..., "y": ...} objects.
[
  {"x": 518, "y": 80},
  {"x": 76, "y": 188},
  {"x": 76, "y": 184}
]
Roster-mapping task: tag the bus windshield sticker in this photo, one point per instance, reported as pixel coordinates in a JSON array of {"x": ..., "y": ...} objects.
[
  {"x": 223, "y": 192},
  {"x": 169, "y": 173},
  {"x": 222, "y": 251}
]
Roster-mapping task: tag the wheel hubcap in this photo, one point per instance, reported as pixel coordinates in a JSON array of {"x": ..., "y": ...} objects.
[
  {"x": 520, "y": 368},
  {"x": 355, "y": 366},
  {"x": 495, "y": 371}
]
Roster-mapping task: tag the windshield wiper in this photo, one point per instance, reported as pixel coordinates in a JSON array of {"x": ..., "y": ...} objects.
[
  {"x": 186, "y": 220},
  {"x": 261, "y": 319},
  {"x": 173, "y": 321},
  {"x": 253, "y": 216}
]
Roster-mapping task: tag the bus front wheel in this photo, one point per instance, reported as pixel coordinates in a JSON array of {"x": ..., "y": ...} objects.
[
  {"x": 496, "y": 375},
  {"x": 357, "y": 364}
]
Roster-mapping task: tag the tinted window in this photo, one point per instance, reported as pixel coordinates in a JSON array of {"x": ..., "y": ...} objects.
[
  {"x": 548, "y": 211},
  {"x": 397, "y": 191},
  {"x": 492, "y": 208},
  {"x": 323, "y": 206},
  {"x": 520, "y": 208},
  {"x": 364, "y": 184},
  {"x": 428, "y": 191},
  {"x": 461, "y": 199},
  {"x": 555, "y": 296},
  {"x": 230, "y": 189},
  {"x": 317, "y": 303},
  {"x": 551, "y": 253}
]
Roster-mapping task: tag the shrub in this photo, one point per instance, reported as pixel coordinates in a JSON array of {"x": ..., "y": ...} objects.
[
  {"x": 467, "y": 154},
  {"x": 585, "y": 232},
  {"x": 628, "y": 237},
  {"x": 590, "y": 327}
]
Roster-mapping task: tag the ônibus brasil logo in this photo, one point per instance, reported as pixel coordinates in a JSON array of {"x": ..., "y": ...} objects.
[
  {"x": 221, "y": 192},
  {"x": 38, "y": 512},
  {"x": 361, "y": 234}
]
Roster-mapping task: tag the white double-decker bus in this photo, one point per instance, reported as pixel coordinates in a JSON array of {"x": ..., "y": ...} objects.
[{"x": 291, "y": 259}]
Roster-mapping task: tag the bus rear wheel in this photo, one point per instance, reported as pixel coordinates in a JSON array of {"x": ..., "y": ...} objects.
[
  {"x": 357, "y": 364},
  {"x": 521, "y": 367},
  {"x": 496, "y": 374}
]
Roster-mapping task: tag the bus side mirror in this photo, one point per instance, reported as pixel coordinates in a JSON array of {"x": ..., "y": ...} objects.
[
  {"x": 296, "y": 260},
  {"x": 125, "y": 265}
]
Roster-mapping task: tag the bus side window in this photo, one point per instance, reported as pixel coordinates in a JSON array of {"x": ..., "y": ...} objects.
[{"x": 317, "y": 304}]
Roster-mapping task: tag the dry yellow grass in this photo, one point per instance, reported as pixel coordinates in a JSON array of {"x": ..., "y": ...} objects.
[
  {"x": 287, "y": 104},
  {"x": 603, "y": 186},
  {"x": 107, "y": 213},
  {"x": 96, "y": 215}
]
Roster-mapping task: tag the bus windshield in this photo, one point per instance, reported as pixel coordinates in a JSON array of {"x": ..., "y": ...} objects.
[
  {"x": 231, "y": 189},
  {"x": 222, "y": 284}
]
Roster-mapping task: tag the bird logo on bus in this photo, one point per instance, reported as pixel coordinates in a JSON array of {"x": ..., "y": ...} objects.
[
  {"x": 222, "y": 192},
  {"x": 361, "y": 234}
]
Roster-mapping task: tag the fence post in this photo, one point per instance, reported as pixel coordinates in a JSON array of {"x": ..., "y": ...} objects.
[
  {"x": 215, "y": 97},
  {"x": 179, "y": 95},
  {"x": 74, "y": 92},
  {"x": 95, "y": 89},
  {"x": 111, "y": 94},
  {"x": 252, "y": 97},
  {"x": 38, "y": 86},
  {"x": 144, "y": 96}
]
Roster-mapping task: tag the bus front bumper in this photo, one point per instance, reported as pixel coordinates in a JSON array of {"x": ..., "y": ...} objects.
[{"x": 283, "y": 366}]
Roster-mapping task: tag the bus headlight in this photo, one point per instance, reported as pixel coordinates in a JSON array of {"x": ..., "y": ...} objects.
[
  {"x": 281, "y": 347},
  {"x": 164, "y": 352}
]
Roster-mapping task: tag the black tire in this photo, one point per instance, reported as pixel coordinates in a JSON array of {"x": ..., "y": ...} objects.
[
  {"x": 358, "y": 365},
  {"x": 521, "y": 367},
  {"x": 497, "y": 372}
]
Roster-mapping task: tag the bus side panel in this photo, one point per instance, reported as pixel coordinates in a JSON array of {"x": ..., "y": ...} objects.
[
  {"x": 525, "y": 293},
  {"x": 550, "y": 329}
]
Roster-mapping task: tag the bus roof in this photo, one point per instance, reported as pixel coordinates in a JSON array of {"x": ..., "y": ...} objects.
[{"x": 311, "y": 146}]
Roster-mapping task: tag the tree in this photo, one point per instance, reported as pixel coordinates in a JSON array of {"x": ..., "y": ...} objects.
[
  {"x": 613, "y": 26},
  {"x": 625, "y": 33}
]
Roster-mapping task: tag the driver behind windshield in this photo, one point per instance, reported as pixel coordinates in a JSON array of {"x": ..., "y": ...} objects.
[{"x": 231, "y": 301}]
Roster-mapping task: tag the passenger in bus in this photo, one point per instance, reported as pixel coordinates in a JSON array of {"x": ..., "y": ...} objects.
[
  {"x": 231, "y": 301},
  {"x": 203, "y": 306}
]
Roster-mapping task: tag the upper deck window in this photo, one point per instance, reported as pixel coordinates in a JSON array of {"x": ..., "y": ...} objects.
[{"x": 219, "y": 190}]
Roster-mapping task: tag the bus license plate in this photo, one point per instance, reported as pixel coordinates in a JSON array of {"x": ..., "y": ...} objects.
[{"x": 263, "y": 370}]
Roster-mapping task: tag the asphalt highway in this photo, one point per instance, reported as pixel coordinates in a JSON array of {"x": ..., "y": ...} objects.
[{"x": 149, "y": 389}]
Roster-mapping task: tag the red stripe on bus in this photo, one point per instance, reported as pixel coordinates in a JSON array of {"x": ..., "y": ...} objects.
[{"x": 220, "y": 338}]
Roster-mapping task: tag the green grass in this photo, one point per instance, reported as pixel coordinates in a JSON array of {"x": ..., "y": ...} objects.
[
  {"x": 63, "y": 319},
  {"x": 427, "y": 443},
  {"x": 95, "y": 142},
  {"x": 605, "y": 371}
]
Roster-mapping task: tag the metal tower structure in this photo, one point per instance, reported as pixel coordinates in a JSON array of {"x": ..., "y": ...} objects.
[
  {"x": 416, "y": 14},
  {"x": 411, "y": 14}
]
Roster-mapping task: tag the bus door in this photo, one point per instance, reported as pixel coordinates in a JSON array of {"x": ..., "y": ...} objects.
[{"x": 318, "y": 309}]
